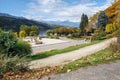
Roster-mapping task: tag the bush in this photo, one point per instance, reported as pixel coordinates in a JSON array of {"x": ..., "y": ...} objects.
[
  {"x": 99, "y": 35},
  {"x": 115, "y": 47},
  {"x": 12, "y": 64},
  {"x": 33, "y": 33},
  {"x": 23, "y": 48},
  {"x": 114, "y": 34},
  {"x": 7, "y": 42},
  {"x": 10, "y": 45},
  {"x": 74, "y": 35},
  {"x": 54, "y": 36}
]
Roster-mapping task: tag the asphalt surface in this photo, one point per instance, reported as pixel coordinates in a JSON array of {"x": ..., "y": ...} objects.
[
  {"x": 62, "y": 45},
  {"x": 109, "y": 71}
]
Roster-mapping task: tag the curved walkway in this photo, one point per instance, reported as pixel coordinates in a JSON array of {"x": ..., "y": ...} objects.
[{"x": 70, "y": 56}]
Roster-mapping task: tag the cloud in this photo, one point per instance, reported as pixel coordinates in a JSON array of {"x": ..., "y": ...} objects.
[{"x": 61, "y": 10}]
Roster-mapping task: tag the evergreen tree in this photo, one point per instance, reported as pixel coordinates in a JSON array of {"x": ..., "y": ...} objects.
[
  {"x": 83, "y": 23},
  {"x": 102, "y": 20}
]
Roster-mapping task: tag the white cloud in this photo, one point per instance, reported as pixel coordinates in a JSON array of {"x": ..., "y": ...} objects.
[{"x": 61, "y": 10}]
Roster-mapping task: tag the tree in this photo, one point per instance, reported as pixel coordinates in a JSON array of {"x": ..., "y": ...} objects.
[
  {"x": 102, "y": 20},
  {"x": 22, "y": 34},
  {"x": 33, "y": 33},
  {"x": 48, "y": 32},
  {"x": 83, "y": 23},
  {"x": 25, "y": 28},
  {"x": 111, "y": 28},
  {"x": 35, "y": 29}
]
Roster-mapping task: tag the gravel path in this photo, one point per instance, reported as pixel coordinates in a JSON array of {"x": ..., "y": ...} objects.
[
  {"x": 101, "y": 72},
  {"x": 70, "y": 56}
]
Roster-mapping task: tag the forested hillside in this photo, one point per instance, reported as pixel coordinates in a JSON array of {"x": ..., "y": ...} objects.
[
  {"x": 111, "y": 12},
  {"x": 13, "y": 23}
]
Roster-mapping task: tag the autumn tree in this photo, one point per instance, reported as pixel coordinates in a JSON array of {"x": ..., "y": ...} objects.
[
  {"x": 29, "y": 30},
  {"x": 22, "y": 34},
  {"x": 111, "y": 28},
  {"x": 25, "y": 28}
]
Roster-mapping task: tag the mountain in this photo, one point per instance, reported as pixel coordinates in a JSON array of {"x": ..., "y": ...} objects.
[
  {"x": 64, "y": 23},
  {"x": 8, "y": 15},
  {"x": 8, "y": 22}
]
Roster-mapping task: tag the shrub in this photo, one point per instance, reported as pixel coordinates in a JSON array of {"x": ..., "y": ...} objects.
[
  {"x": 7, "y": 42},
  {"x": 99, "y": 35},
  {"x": 48, "y": 32},
  {"x": 16, "y": 34},
  {"x": 114, "y": 34},
  {"x": 12, "y": 64},
  {"x": 23, "y": 48},
  {"x": 75, "y": 35},
  {"x": 33, "y": 33},
  {"x": 115, "y": 47},
  {"x": 55, "y": 36}
]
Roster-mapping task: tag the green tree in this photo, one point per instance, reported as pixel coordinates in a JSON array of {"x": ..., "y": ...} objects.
[
  {"x": 35, "y": 29},
  {"x": 83, "y": 23},
  {"x": 102, "y": 20},
  {"x": 33, "y": 33},
  {"x": 48, "y": 32}
]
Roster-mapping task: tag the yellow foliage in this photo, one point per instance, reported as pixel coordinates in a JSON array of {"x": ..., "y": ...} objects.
[
  {"x": 22, "y": 34},
  {"x": 16, "y": 34},
  {"x": 111, "y": 28}
]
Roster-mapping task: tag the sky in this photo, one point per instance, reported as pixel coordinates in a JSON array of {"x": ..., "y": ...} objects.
[{"x": 53, "y": 10}]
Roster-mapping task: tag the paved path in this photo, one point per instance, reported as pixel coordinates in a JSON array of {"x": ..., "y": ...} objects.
[
  {"x": 62, "y": 45},
  {"x": 70, "y": 56},
  {"x": 100, "y": 72}
]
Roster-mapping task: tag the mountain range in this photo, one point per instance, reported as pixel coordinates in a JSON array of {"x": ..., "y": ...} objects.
[{"x": 8, "y": 22}]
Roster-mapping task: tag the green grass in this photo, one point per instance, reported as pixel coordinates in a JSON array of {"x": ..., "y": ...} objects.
[
  {"x": 61, "y": 51},
  {"x": 99, "y": 57}
]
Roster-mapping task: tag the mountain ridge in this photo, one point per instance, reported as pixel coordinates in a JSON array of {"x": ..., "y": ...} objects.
[{"x": 8, "y": 22}]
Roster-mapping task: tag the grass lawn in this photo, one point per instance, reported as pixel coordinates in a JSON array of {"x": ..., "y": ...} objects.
[
  {"x": 99, "y": 57},
  {"x": 61, "y": 51}
]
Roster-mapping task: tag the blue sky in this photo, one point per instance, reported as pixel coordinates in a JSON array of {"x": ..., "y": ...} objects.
[{"x": 52, "y": 10}]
